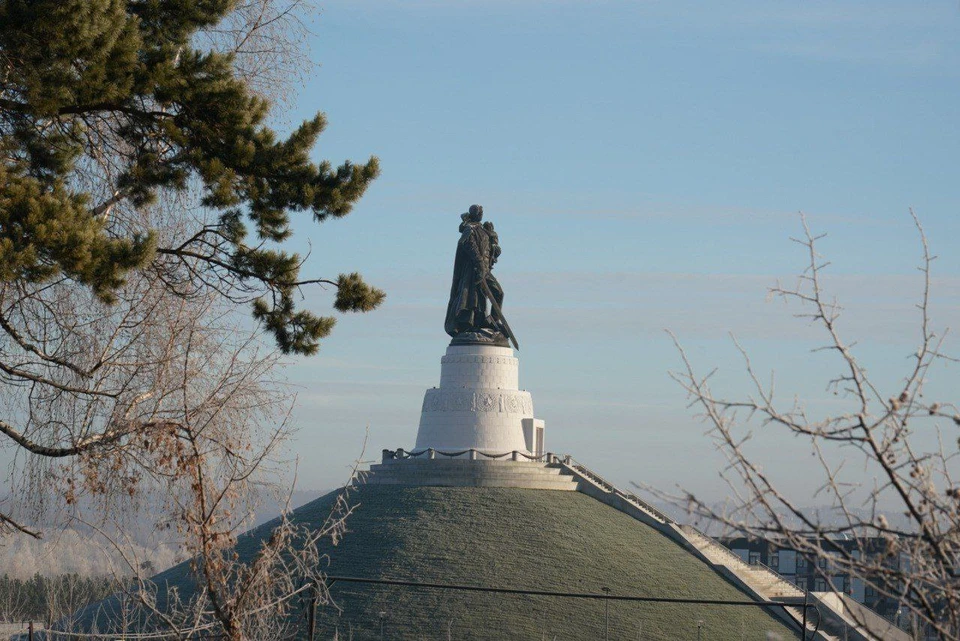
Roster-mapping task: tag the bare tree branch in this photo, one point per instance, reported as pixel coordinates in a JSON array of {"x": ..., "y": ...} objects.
[{"x": 913, "y": 478}]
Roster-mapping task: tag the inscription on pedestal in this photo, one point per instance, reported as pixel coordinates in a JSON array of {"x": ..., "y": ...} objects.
[
  {"x": 490, "y": 360},
  {"x": 465, "y": 400}
]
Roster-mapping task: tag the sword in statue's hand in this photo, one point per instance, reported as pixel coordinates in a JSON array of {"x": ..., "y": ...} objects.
[{"x": 499, "y": 312}]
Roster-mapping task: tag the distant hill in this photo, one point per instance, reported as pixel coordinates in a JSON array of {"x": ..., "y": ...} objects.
[{"x": 79, "y": 549}]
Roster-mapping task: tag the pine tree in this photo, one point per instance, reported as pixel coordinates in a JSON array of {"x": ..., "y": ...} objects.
[
  {"x": 106, "y": 107},
  {"x": 145, "y": 214}
]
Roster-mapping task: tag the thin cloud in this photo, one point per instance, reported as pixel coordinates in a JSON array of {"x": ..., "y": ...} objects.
[{"x": 865, "y": 51}]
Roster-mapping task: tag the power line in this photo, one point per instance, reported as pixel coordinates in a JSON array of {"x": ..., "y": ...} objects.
[{"x": 330, "y": 580}]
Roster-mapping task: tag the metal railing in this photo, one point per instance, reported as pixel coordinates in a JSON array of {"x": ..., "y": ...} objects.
[{"x": 631, "y": 498}]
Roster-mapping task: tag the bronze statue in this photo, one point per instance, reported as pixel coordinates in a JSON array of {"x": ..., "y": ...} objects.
[{"x": 468, "y": 318}]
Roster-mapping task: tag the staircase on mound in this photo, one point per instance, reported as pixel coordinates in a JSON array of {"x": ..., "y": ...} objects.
[
  {"x": 470, "y": 470},
  {"x": 761, "y": 580},
  {"x": 476, "y": 468}
]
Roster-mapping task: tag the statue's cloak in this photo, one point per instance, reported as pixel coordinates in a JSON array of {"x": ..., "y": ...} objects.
[{"x": 467, "y": 308}]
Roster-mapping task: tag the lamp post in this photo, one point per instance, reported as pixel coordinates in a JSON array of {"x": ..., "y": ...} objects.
[
  {"x": 606, "y": 614},
  {"x": 382, "y": 616},
  {"x": 699, "y": 629},
  {"x": 312, "y": 612}
]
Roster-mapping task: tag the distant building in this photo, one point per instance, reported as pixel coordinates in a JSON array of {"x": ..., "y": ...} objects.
[{"x": 817, "y": 575}]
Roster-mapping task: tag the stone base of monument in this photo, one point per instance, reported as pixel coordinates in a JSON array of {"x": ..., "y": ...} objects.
[
  {"x": 479, "y": 405},
  {"x": 470, "y": 469},
  {"x": 477, "y": 429}
]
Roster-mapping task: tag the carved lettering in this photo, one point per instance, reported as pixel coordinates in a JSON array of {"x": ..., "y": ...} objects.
[{"x": 467, "y": 400}]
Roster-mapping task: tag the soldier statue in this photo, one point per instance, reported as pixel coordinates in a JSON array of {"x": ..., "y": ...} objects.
[{"x": 475, "y": 310}]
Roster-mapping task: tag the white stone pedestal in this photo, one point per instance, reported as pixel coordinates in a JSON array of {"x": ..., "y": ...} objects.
[{"x": 479, "y": 405}]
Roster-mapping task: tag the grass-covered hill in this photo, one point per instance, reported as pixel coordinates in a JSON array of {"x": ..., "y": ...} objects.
[{"x": 512, "y": 538}]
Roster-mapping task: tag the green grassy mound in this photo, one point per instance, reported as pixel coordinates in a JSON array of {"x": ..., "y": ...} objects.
[
  {"x": 511, "y": 538},
  {"x": 526, "y": 539}
]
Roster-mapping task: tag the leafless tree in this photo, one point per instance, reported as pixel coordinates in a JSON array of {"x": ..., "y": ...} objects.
[
  {"x": 14, "y": 602},
  {"x": 905, "y": 440},
  {"x": 204, "y": 448},
  {"x": 266, "y": 596},
  {"x": 269, "y": 41}
]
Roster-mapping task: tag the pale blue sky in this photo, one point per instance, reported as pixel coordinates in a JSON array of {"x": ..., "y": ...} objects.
[{"x": 644, "y": 163}]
